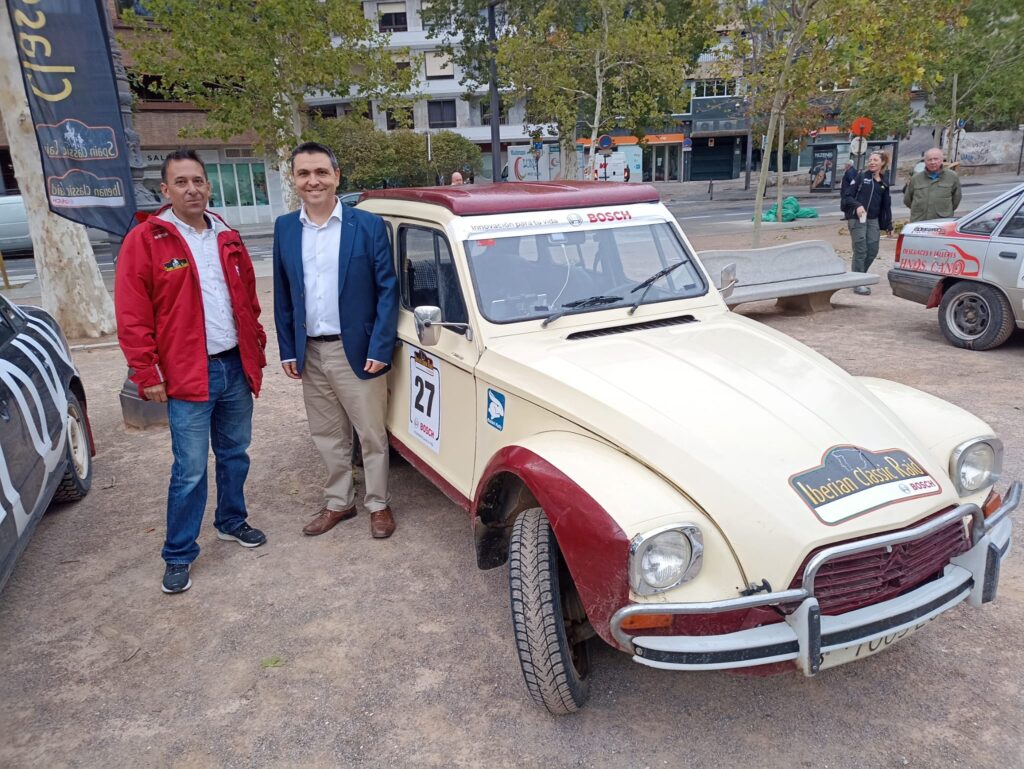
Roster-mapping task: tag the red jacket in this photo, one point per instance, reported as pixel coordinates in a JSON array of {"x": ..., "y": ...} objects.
[{"x": 161, "y": 325}]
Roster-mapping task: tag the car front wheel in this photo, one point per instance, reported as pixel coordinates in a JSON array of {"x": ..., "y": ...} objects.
[
  {"x": 975, "y": 316},
  {"x": 548, "y": 619},
  {"x": 77, "y": 478}
]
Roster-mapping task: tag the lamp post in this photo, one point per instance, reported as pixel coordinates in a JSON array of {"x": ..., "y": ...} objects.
[
  {"x": 492, "y": 66},
  {"x": 135, "y": 411}
]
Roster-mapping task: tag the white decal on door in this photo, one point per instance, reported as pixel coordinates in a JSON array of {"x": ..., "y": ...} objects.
[{"x": 425, "y": 399}]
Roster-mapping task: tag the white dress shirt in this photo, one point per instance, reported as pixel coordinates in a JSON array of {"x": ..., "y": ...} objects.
[
  {"x": 321, "y": 252},
  {"x": 221, "y": 333}
]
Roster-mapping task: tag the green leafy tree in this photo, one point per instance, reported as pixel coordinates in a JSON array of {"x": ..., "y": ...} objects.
[
  {"x": 450, "y": 152},
  {"x": 985, "y": 60},
  {"x": 793, "y": 49},
  {"x": 249, "y": 63},
  {"x": 584, "y": 66}
]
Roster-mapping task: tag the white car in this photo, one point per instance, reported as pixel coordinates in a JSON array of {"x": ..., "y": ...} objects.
[
  {"x": 686, "y": 484},
  {"x": 971, "y": 268},
  {"x": 14, "y": 235}
]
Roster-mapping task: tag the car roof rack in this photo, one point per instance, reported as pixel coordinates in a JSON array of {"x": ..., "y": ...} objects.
[{"x": 521, "y": 197}]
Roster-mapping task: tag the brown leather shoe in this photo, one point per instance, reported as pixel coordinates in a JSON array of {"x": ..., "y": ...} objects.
[
  {"x": 326, "y": 520},
  {"x": 382, "y": 523}
]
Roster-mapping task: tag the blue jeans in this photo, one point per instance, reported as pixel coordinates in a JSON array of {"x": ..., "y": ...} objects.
[{"x": 225, "y": 421}]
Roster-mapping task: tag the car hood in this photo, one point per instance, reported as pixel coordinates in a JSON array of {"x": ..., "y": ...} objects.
[{"x": 735, "y": 415}]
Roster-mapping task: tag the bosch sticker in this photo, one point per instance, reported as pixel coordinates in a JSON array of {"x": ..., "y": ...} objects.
[
  {"x": 609, "y": 216},
  {"x": 425, "y": 399}
]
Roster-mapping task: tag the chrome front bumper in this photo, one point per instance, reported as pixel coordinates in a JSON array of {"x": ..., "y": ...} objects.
[{"x": 814, "y": 641}]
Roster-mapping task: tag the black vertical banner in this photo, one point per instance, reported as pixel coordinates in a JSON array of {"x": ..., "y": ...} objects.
[{"x": 69, "y": 80}]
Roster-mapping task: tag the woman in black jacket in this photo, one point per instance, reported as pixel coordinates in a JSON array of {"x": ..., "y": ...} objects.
[{"x": 868, "y": 211}]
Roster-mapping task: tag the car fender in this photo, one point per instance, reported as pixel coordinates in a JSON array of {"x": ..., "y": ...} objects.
[
  {"x": 938, "y": 424},
  {"x": 596, "y": 499}
]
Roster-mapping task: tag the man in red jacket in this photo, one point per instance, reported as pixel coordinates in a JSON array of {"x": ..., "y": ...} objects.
[{"x": 188, "y": 324}]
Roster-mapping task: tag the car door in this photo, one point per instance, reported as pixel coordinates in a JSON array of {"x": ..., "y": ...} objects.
[
  {"x": 20, "y": 463},
  {"x": 433, "y": 402},
  {"x": 1004, "y": 264}
]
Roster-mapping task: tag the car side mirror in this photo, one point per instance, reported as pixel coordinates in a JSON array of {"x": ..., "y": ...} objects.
[
  {"x": 727, "y": 281},
  {"x": 429, "y": 324}
]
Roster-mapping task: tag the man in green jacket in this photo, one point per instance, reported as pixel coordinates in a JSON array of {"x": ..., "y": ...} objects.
[{"x": 933, "y": 193}]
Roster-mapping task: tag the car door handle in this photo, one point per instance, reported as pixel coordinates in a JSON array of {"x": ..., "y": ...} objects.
[{"x": 1008, "y": 254}]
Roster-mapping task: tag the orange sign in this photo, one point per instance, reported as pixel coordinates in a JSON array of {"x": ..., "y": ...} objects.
[{"x": 861, "y": 126}]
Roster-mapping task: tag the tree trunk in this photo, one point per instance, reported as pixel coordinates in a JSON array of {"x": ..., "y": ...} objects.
[
  {"x": 762, "y": 177},
  {"x": 71, "y": 287},
  {"x": 570, "y": 168},
  {"x": 284, "y": 166},
  {"x": 778, "y": 167}
]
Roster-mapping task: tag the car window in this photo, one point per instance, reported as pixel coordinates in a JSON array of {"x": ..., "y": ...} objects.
[
  {"x": 7, "y": 330},
  {"x": 427, "y": 274},
  {"x": 985, "y": 222},
  {"x": 10, "y": 321},
  {"x": 531, "y": 276},
  {"x": 1014, "y": 228}
]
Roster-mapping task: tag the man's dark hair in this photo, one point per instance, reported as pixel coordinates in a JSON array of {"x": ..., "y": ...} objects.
[
  {"x": 309, "y": 148},
  {"x": 184, "y": 154}
]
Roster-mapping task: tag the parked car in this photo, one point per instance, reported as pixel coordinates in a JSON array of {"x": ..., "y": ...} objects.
[
  {"x": 684, "y": 483},
  {"x": 46, "y": 445},
  {"x": 14, "y": 236},
  {"x": 971, "y": 268},
  {"x": 350, "y": 198}
]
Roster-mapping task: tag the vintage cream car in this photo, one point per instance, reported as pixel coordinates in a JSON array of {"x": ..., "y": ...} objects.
[{"x": 698, "y": 490}]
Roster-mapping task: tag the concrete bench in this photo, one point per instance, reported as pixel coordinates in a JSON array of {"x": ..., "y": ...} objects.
[{"x": 802, "y": 276}]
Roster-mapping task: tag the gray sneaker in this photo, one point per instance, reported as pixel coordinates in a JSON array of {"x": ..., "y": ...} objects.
[
  {"x": 862, "y": 290},
  {"x": 176, "y": 578}
]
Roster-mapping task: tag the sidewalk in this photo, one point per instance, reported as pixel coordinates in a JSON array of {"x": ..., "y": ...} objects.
[{"x": 796, "y": 183}]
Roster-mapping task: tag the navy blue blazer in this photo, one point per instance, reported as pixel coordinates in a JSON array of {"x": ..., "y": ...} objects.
[{"x": 367, "y": 290}]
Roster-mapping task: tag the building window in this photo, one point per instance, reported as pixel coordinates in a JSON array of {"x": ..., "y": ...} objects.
[
  {"x": 709, "y": 88},
  {"x": 485, "y": 112},
  {"x": 439, "y": 66},
  {"x": 237, "y": 184},
  {"x": 441, "y": 114},
  {"x": 392, "y": 17}
]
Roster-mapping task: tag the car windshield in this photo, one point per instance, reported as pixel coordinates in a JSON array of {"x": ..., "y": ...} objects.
[{"x": 533, "y": 276}]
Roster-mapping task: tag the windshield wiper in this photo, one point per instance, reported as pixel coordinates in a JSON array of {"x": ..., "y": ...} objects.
[
  {"x": 579, "y": 304},
  {"x": 646, "y": 283}
]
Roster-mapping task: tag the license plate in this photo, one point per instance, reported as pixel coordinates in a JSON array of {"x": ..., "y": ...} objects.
[{"x": 864, "y": 649}]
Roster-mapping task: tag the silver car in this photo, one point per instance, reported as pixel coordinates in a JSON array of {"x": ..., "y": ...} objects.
[{"x": 14, "y": 237}]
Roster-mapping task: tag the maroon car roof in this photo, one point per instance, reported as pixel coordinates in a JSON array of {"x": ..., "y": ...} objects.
[{"x": 517, "y": 197}]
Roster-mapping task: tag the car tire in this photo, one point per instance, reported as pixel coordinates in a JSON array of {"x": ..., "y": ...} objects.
[
  {"x": 77, "y": 478},
  {"x": 975, "y": 316},
  {"x": 545, "y": 607}
]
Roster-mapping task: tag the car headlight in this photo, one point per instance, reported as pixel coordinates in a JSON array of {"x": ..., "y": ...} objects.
[
  {"x": 662, "y": 559},
  {"x": 976, "y": 464}
]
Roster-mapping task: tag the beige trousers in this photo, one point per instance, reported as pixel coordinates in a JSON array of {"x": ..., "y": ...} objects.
[{"x": 336, "y": 401}]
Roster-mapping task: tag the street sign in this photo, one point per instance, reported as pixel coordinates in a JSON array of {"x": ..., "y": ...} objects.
[
  {"x": 813, "y": 134},
  {"x": 858, "y": 145},
  {"x": 605, "y": 142},
  {"x": 538, "y": 145},
  {"x": 861, "y": 126}
]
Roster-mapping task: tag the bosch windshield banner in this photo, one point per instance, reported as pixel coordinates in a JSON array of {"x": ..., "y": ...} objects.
[{"x": 65, "y": 63}]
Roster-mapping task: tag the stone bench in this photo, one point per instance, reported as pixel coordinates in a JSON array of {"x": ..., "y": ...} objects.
[{"x": 802, "y": 276}]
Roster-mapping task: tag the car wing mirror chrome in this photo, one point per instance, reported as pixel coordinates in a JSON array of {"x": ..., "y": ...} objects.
[
  {"x": 728, "y": 281},
  {"x": 429, "y": 324}
]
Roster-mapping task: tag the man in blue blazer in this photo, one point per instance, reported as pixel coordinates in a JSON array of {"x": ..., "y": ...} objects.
[{"x": 336, "y": 310}]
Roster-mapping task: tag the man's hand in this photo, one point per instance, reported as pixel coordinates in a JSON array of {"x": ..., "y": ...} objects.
[
  {"x": 156, "y": 393},
  {"x": 372, "y": 366},
  {"x": 291, "y": 370}
]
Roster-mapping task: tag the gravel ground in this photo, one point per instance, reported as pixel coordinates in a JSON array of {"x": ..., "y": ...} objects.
[{"x": 342, "y": 651}]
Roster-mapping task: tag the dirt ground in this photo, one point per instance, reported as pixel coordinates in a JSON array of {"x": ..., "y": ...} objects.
[{"x": 342, "y": 651}]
